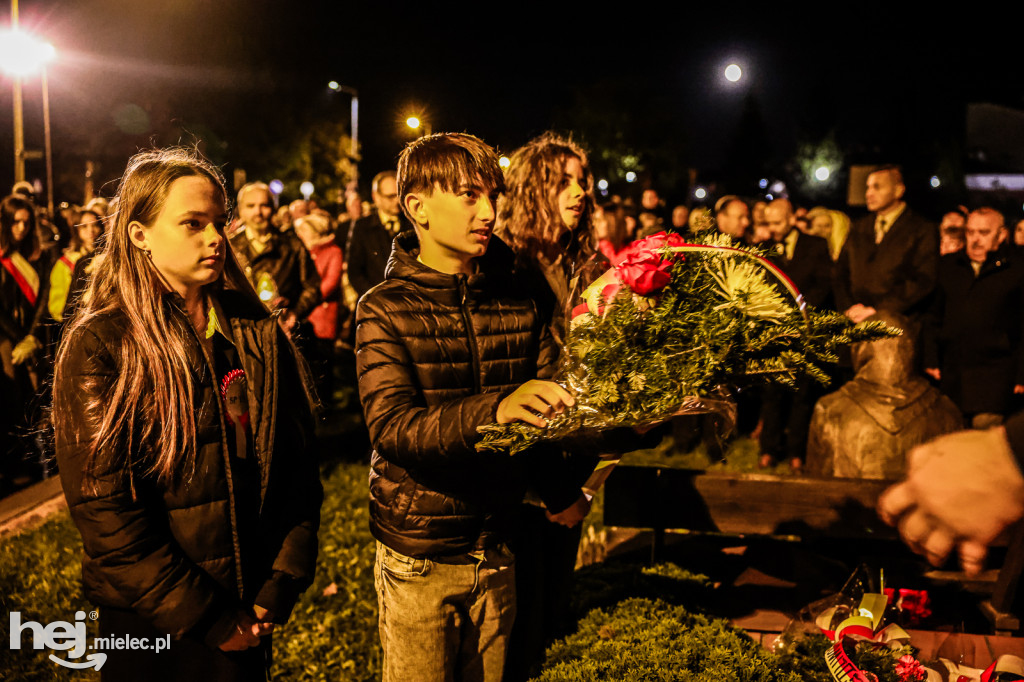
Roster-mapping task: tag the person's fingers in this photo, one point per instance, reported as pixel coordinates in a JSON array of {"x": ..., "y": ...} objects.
[
  {"x": 553, "y": 394},
  {"x": 262, "y": 629},
  {"x": 938, "y": 545},
  {"x": 972, "y": 556},
  {"x": 520, "y": 413},
  {"x": 895, "y": 502},
  {"x": 563, "y": 395},
  {"x": 246, "y": 627},
  {"x": 914, "y": 528},
  {"x": 538, "y": 404}
]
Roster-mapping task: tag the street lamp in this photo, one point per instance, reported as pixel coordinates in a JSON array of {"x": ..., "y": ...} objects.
[
  {"x": 354, "y": 94},
  {"x": 20, "y": 56},
  {"x": 415, "y": 123}
]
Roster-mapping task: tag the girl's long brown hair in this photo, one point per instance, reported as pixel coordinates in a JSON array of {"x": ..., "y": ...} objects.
[
  {"x": 528, "y": 217},
  {"x": 150, "y": 401}
]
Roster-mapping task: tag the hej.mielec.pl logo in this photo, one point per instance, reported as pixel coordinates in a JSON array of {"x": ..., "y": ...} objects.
[{"x": 58, "y": 636}]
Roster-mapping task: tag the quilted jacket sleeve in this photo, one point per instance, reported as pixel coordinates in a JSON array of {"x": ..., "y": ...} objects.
[
  {"x": 403, "y": 429},
  {"x": 127, "y": 544}
]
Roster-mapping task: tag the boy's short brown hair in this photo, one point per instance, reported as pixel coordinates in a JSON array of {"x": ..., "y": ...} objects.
[{"x": 446, "y": 160}]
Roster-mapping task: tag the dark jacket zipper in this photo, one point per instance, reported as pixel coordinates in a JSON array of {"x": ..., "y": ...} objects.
[{"x": 474, "y": 349}]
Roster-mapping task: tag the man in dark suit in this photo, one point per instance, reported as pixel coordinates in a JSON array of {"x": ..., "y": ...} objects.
[
  {"x": 369, "y": 242},
  {"x": 890, "y": 259},
  {"x": 974, "y": 338},
  {"x": 786, "y": 414}
]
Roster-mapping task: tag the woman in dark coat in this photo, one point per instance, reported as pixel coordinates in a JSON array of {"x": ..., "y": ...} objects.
[
  {"x": 545, "y": 216},
  {"x": 182, "y": 433},
  {"x": 23, "y": 293}
]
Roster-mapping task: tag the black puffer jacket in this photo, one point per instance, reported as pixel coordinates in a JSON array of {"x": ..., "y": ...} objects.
[
  {"x": 173, "y": 554},
  {"x": 436, "y": 353}
]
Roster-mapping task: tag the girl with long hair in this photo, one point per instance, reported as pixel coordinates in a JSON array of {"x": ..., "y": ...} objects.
[
  {"x": 183, "y": 431},
  {"x": 545, "y": 215}
]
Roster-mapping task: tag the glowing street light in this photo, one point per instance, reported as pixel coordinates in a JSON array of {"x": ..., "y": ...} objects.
[
  {"x": 630, "y": 176},
  {"x": 821, "y": 173},
  {"x": 417, "y": 124},
  {"x": 733, "y": 73},
  {"x": 700, "y": 193},
  {"x": 504, "y": 162},
  {"x": 22, "y": 55},
  {"x": 935, "y": 182},
  {"x": 307, "y": 189}
]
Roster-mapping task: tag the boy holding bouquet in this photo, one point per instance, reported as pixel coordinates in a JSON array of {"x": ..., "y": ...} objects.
[{"x": 448, "y": 342}]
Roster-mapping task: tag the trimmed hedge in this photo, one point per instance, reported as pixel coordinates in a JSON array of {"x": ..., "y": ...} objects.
[{"x": 645, "y": 639}]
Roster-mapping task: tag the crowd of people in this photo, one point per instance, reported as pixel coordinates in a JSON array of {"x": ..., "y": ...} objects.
[{"x": 174, "y": 340}]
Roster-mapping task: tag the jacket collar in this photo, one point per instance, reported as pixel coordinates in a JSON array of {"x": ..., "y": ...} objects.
[{"x": 494, "y": 266}]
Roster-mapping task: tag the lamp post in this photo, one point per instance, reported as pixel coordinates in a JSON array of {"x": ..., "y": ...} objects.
[
  {"x": 354, "y": 94},
  {"x": 20, "y": 56}
]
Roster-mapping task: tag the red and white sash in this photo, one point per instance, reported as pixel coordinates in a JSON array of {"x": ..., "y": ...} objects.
[{"x": 23, "y": 273}]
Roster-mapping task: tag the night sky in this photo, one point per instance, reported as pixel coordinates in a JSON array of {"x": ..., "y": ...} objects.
[{"x": 241, "y": 75}]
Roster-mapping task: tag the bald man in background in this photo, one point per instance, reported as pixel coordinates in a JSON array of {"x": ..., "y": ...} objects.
[
  {"x": 732, "y": 216},
  {"x": 890, "y": 260},
  {"x": 785, "y": 413}
]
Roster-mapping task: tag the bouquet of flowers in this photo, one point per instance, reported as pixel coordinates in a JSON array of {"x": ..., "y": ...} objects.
[{"x": 672, "y": 326}]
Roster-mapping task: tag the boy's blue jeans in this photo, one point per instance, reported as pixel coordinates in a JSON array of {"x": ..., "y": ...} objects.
[{"x": 445, "y": 622}]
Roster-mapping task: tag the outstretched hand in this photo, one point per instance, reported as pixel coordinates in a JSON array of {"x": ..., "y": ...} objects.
[
  {"x": 534, "y": 403},
  {"x": 962, "y": 490}
]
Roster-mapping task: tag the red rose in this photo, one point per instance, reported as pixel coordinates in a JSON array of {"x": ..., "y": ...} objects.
[
  {"x": 653, "y": 244},
  {"x": 644, "y": 272},
  {"x": 658, "y": 241}
]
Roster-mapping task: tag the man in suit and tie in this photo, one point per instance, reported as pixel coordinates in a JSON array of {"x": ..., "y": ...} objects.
[
  {"x": 803, "y": 257},
  {"x": 891, "y": 257},
  {"x": 369, "y": 242},
  {"x": 786, "y": 414}
]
